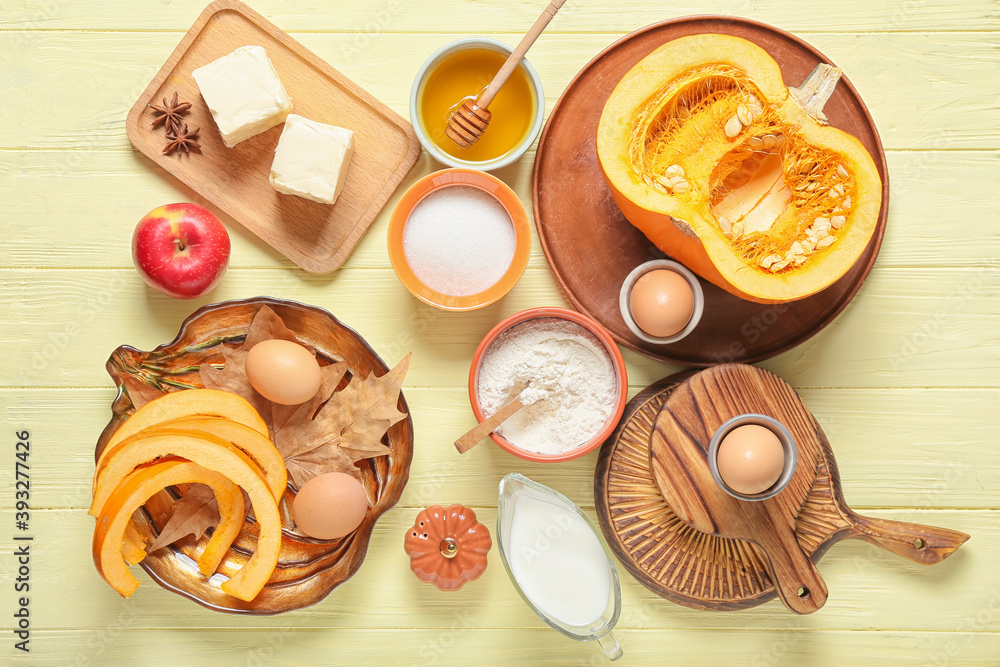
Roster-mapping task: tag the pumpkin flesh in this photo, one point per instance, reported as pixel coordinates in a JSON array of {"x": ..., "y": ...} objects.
[
  {"x": 728, "y": 171},
  {"x": 135, "y": 490},
  {"x": 212, "y": 453}
]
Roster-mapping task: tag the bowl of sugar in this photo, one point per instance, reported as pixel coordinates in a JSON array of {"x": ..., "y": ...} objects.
[
  {"x": 568, "y": 373},
  {"x": 459, "y": 239}
]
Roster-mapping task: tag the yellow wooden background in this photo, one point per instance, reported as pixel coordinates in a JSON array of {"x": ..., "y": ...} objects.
[{"x": 905, "y": 382}]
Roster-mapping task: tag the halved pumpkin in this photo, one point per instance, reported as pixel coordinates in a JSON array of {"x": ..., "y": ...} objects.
[
  {"x": 136, "y": 488},
  {"x": 734, "y": 175}
]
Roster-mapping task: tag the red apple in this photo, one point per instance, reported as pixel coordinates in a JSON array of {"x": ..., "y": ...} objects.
[{"x": 181, "y": 250}]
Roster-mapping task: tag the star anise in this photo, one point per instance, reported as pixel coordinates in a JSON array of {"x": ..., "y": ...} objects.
[
  {"x": 169, "y": 115},
  {"x": 184, "y": 141}
]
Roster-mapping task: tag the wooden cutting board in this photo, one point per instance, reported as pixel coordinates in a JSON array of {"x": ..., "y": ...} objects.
[
  {"x": 713, "y": 571},
  {"x": 317, "y": 237}
]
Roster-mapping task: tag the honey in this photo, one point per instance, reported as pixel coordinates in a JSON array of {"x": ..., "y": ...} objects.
[{"x": 464, "y": 74}]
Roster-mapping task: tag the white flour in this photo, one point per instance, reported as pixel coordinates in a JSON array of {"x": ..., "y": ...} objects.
[{"x": 565, "y": 379}]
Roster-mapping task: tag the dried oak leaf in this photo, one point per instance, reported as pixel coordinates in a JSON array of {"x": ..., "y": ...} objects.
[
  {"x": 232, "y": 377},
  {"x": 337, "y": 428},
  {"x": 193, "y": 513},
  {"x": 139, "y": 392}
]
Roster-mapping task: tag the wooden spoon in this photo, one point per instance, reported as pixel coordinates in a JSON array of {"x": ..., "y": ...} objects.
[
  {"x": 487, "y": 426},
  {"x": 469, "y": 121}
]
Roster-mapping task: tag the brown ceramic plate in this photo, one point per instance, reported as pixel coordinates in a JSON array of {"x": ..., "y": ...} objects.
[
  {"x": 591, "y": 247},
  {"x": 308, "y": 569}
]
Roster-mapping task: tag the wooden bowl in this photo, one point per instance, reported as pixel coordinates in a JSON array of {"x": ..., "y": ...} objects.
[
  {"x": 591, "y": 247},
  {"x": 308, "y": 569}
]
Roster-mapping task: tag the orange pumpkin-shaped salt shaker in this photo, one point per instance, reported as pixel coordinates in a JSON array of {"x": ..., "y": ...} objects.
[{"x": 447, "y": 547}]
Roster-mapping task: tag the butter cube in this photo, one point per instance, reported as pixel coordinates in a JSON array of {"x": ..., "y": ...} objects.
[
  {"x": 311, "y": 159},
  {"x": 244, "y": 94}
]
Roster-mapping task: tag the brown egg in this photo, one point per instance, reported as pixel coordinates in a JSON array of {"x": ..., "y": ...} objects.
[
  {"x": 283, "y": 371},
  {"x": 750, "y": 459},
  {"x": 661, "y": 302},
  {"x": 330, "y": 505}
]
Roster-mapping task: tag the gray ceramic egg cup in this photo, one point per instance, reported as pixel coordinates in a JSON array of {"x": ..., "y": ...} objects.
[
  {"x": 417, "y": 90},
  {"x": 787, "y": 444}
]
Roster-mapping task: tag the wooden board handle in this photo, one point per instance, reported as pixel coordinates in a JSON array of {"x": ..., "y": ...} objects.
[
  {"x": 927, "y": 545},
  {"x": 518, "y": 53},
  {"x": 487, "y": 426},
  {"x": 796, "y": 579}
]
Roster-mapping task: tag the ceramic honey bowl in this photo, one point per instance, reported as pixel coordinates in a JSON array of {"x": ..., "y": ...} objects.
[{"x": 461, "y": 70}]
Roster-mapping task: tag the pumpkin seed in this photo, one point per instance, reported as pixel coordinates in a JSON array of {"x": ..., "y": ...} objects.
[
  {"x": 770, "y": 141},
  {"x": 796, "y": 249},
  {"x": 838, "y": 221},
  {"x": 733, "y": 127},
  {"x": 755, "y": 143},
  {"x": 821, "y": 225},
  {"x": 846, "y": 204},
  {"x": 837, "y": 191},
  {"x": 738, "y": 229},
  {"x": 675, "y": 169},
  {"x": 769, "y": 261},
  {"x": 780, "y": 265},
  {"x": 841, "y": 171},
  {"x": 743, "y": 113},
  {"x": 800, "y": 260},
  {"x": 665, "y": 182},
  {"x": 826, "y": 241},
  {"x": 682, "y": 186},
  {"x": 725, "y": 225},
  {"x": 808, "y": 246},
  {"x": 779, "y": 139}
]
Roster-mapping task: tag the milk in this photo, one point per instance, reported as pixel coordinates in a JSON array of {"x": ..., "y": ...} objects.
[{"x": 558, "y": 561}]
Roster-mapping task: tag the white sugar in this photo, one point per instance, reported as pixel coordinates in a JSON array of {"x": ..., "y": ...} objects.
[{"x": 459, "y": 240}]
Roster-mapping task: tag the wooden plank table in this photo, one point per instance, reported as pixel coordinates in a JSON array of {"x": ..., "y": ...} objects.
[{"x": 905, "y": 381}]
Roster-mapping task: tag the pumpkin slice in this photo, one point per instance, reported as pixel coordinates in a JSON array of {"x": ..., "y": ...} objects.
[
  {"x": 734, "y": 175},
  {"x": 258, "y": 447},
  {"x": 153, "y": 443},
  {"x": 212, "y": 453},
  {"x": 189, "y": 403},
  {"x": 133, "y": 545},
  {"x": 136, "y": 489}
]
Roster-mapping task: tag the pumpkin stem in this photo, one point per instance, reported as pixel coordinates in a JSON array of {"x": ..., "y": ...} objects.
[
  {"x": 816, "y": 90},
  {"x": 449, "y": 547}
]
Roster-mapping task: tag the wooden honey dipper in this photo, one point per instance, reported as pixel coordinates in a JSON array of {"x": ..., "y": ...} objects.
[{"x": 469, "y": 121}]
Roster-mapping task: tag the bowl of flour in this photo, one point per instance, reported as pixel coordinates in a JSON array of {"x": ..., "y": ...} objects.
[{"x": 569, "y": 374}]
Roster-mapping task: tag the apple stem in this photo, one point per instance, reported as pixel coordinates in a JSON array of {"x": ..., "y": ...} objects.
[{"x": 180, "y": 244}]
